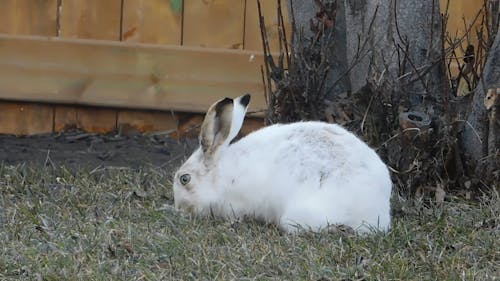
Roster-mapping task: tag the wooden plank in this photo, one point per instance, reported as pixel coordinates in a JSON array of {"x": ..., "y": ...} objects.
[
  {"x": 253, "y": 39},
  {"x": 130, "y": 75},
  {"x": 96, "y": 120},
  {"x": 96, "y": 19},
  {"x": 65, "y": 118},
  {"x": 146, "y": 121},
  {"x": 214, "y": 23},
  {"x": 152, "y": 21},
  {"x": 25, "y": 118},
  {"x": 28, "y": 17}
]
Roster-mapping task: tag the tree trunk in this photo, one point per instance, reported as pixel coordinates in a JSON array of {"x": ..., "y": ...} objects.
[
  {"x": 399, "y": 49},
  {"x": 305, "y": 12},
  {"x": 388, "y": 57},
  {"x": 479, "y": 139},
  {"x": 393, "y": 38}
]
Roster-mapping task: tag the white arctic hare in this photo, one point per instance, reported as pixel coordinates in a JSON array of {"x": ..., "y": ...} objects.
[{"x": 307, "y": 174}]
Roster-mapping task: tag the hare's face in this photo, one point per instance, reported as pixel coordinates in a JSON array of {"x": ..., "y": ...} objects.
[
  {"x": 193, "y": 186},
  {"x": 197, "y": 183}
]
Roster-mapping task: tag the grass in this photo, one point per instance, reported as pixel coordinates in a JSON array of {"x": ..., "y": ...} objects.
[{"x": 119, "y": 225}]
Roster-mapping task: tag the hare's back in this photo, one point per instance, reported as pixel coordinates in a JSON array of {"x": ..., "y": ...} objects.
[{"x": 314, "y": 147}]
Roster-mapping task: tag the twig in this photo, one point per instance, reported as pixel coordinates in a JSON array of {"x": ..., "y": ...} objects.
[
  {"x": 396, "y": 135},
  {"x": 407, "y": 170},
  {"x": 48, "y": 160},
  {"x": 366, "y": 112},
  {"x": 473, "y": 129},
  {"x": 281, "y": 26},
  {"x": 265, "y": 46}
]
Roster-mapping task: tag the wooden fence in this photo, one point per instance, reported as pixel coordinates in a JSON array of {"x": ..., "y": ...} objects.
[
  {"x": 101, "y": 65},
  {"x": 202, "y": 50}
]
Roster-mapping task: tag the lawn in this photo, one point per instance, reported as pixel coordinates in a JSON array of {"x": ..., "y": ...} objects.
[{"x": 118, "y": 224}]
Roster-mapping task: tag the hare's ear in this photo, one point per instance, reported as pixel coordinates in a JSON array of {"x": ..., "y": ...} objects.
[
  {"x": 216, "y": 126},
  {"x": 239, "y": 111}
]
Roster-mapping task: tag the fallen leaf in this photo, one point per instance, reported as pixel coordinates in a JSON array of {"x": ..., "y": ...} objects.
[{"x": 440, "y": 194}]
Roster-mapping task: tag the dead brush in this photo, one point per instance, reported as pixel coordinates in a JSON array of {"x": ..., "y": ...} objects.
[
  {"x": 295, "y": 80},
  {"x": 296, "y": 89}
]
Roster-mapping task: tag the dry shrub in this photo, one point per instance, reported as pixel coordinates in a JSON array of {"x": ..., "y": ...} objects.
[{"x": 422, "y": 159}]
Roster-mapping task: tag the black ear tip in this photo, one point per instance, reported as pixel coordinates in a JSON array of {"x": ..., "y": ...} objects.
[
  {"x": 222, "y": 103},
  {"x": 226, "y": 101},
  {"x": 245, "y": 100}
]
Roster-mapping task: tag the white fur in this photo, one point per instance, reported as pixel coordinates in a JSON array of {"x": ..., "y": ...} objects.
[
  {"x": 238, "y": 116},
  {"x": 308, "y": 174}
]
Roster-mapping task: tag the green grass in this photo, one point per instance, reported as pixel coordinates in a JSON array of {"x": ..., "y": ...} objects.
[{"x": 118, "y": 225}]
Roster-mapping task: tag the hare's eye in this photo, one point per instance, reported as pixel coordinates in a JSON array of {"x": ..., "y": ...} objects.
[{"x": 185, "y": 179}]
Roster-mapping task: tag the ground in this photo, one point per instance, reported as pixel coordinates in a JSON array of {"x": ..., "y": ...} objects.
[
  {"x": 77, "y": 150},
  {"x": 89, "y": 207}
]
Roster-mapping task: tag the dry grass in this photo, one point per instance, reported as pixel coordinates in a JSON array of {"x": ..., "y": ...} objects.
[{"x": 118, "y": 225}]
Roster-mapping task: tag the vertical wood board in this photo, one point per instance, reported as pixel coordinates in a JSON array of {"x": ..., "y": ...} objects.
[
  {"x": 460, "y": 10},
  {"x": 28, "y": 17},
  {"x": 152, "y": 21},
  {"x": 91, "y": 19},
  {"x": 461, "y": 15},
  {"x": 147, "y": 121},
  {"x": 65, "y": 117},
  {"x": 97, "y": 120},
  {"x": 25, "y": 118},
  {"x": 214, "y": 23}
]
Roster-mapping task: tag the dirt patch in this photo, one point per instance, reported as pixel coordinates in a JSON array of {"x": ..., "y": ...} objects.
[{"x": 80, "y": 150}]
